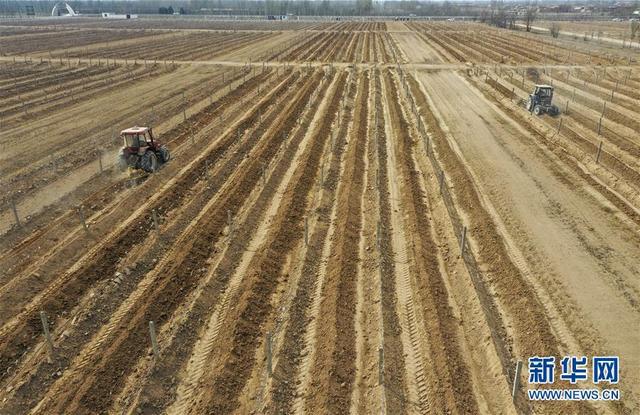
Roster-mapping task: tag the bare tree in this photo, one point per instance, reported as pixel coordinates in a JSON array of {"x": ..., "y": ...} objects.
[
  {"x": 635, "y": 26},
  {"x": 530, "y": 15},
  {"x": 484, "y": 16},
  {"x": 555, "y": 29},
  {"x": 511, "y": 18}
]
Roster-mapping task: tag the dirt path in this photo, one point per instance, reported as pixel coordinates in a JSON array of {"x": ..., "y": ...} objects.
[
  {"x": 415, "y": 48},
  {"x": 589, "y": 263}
]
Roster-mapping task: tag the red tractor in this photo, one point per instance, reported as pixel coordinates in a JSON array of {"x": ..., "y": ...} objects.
[{"x": 141, "y": 151}]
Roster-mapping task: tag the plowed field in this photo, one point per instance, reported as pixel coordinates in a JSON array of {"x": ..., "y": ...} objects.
[{"x": 358, "y": 217}]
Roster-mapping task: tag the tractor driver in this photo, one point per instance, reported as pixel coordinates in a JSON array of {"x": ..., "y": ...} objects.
[{"x": 140, "y": 140}]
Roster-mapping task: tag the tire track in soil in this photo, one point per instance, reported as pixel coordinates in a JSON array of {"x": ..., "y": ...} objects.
[
  {"x": 101, "y": 261},
  {"x": 451, "y": 388},
  {"x": 333, "y": 371},
  {"x": 530, "y": 333},
  {"x": 178, "y": 278},
  {"x": 419, "y": 387},
  {"x": 230, "y": 373},
  {"x": 191, "y": 342},
  {"x": 293, "y": 348},
  {"x": 628, "y": 293}
]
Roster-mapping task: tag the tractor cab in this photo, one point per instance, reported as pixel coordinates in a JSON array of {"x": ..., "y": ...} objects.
[
  {"x": 141, "y": 151},
  {"x": 137, "y": 139},
  {"x": 540, "y": 101},
  {"x": 544, "y": 93}
]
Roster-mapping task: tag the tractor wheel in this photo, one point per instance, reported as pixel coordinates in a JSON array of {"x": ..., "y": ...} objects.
[
  {"x": 537, "y": 110},
  {"x": 164, "y": 153},
  {"x": 554, "y": 110},
  {"x": 149, "y": 162}
]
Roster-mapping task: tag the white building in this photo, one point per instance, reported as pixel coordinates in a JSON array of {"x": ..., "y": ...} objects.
[{"x": 118, "y": 16}]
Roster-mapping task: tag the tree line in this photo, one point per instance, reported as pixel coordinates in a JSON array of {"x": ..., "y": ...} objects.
[{"x": 252, "y": 7}]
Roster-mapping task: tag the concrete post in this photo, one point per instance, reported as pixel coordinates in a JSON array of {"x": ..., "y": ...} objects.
[
  {"x": 82, "y": 219},
  {"x": 306, "y": 231},
  {"x": 154, "y": 216},
  {"x": 154, "y": 340},
  {"x": 516, "y": 379},
  {"x": 380, "y": 365},
  {"x": 599, "y": 125},
  {"x": 463, "y": 238},
  {"x": 15, "y": 213},
  {"x": 47, "y": 336},
  {"x": 599, "y": 152},
  {"x": 269, "y": 346}
]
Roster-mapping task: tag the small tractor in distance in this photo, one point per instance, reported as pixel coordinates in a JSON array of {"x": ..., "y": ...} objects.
[
  {"x": 141, "y": 151},
  {"x": 540, "y": 101}
]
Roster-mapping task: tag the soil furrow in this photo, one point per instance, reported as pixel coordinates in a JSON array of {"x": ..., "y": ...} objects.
[
  {"x": 178, "y": 277},
  {"x": 209, "y": 297},
  {"x": 100, "y": 262},
  {"x": 334, "y": 367},
  {"x": 254, "y": 305},
  {"x": 292, "y": 350}
]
